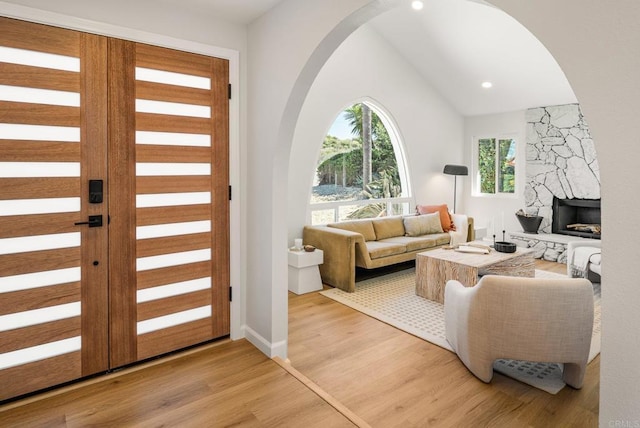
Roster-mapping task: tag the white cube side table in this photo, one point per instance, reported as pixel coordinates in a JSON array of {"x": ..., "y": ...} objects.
[{"x": 304, "y": 275}]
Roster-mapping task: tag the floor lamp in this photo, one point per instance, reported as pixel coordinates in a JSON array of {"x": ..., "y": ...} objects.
[{"x": 455, "y": 170}]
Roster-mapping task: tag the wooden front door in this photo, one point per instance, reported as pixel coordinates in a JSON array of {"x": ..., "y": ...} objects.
[
  {"x": 170, "y": 226},
  {"x": 89, "y": 136}
]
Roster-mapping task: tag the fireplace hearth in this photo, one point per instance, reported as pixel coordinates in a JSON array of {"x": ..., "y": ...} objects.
[{"x": 584, "y": 212}]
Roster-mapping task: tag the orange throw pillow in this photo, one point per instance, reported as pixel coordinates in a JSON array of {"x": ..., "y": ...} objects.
[{"x": 443, "y": 210}]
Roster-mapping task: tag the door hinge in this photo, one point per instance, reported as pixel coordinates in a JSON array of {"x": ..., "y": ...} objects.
[
  {"x": 229, "y": 90},
  {"x": 230, "y": 193},
  {"x": 231, "y": 294}
]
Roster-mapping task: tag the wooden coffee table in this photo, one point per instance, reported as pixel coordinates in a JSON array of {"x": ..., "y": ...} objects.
[{"x": 434, "y": 268}]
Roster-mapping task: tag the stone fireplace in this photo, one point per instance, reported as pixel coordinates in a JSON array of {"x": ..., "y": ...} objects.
[
  {"x": 561, "y": 164},
  {"x": 568, "y": 212},
  {"x": 561, "y": 161}
]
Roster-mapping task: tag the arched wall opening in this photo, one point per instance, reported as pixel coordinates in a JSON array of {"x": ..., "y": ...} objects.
[
  {"x": 385, "y": 79},
  {"x": 587, "y": 62}
]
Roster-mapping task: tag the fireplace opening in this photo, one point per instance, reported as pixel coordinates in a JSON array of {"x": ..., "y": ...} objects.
[{"x": 576, "y": 217}]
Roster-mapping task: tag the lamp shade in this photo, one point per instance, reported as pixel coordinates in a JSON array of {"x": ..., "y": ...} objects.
[{"x": 456, "y": 170}]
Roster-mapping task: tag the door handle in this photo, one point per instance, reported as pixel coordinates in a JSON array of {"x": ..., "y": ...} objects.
[{"x": 94, "y": 221}]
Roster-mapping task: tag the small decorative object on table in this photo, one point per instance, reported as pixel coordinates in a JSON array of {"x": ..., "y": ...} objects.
[
  {"x": 297, "y": 245},
  {"x": 503, "y": 246},
  {"x": 529, "y": 222},
  {"x": 309, "y": 248}
]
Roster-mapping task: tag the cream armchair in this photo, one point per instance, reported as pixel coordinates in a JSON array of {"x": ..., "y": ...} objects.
[{"x": 529, "y": 319}]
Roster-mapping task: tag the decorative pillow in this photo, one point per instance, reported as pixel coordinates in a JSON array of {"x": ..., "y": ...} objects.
[
  {"x": 363, "y": 227},
  {"x": 422, "y": 224},
  {"x": 443, "y": 210},
  {"x": 389, "y": 227}
]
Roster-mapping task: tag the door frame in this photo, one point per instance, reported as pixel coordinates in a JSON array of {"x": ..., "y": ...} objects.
[{"x": 236, "y": 247}]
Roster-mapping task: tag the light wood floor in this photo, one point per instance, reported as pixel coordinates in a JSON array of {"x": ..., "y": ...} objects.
[
  {"x": 385, "y": 376},
  {"x": 230, "y": 384},
  {"x": 392, "y": 379}
]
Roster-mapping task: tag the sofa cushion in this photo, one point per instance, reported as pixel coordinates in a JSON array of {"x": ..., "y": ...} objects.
[
  {"x": 442, "y": 238},
  {"x": 414, "y": 243},
  {"x": 388, "y": 227},
  {"x": 443, "y": 210},
  {"x": 419, "y": 225},
  {"x": 378, "y": 249},
  {"x": 364, "y": 227}
]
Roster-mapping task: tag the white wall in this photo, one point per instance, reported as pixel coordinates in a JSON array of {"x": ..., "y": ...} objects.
[
  {"x": 287, "y": 47},
  {"x": 366, "y": 66},
  {"x": 490, "y": 209}
]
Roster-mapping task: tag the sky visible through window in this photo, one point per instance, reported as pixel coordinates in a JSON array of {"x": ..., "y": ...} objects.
[{"x": 341, "y": 128}]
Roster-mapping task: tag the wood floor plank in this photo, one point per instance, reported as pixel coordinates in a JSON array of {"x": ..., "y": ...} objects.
[{"x": 231, "y": 384}]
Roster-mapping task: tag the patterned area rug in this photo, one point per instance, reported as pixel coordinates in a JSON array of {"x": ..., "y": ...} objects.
[{"x": 392, "y": 299}]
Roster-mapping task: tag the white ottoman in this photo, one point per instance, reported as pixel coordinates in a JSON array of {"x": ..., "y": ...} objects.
[{"x": 304, "y": 275}]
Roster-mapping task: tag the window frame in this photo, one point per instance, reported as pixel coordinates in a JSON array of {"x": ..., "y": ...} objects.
[
  {"x": 405, "y": 198},
  {"x": 476, "y": 180}
]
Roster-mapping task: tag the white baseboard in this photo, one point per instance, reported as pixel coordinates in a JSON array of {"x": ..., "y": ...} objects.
[{"x": 271, "y": 350}]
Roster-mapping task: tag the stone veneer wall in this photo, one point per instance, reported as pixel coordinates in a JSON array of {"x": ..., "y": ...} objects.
[
  {"x": 543, "y": 246},
  {"x": 561, "y": 160}
]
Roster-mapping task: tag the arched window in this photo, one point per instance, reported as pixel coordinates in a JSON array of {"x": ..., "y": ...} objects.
[{"x": 361, "y": 170}]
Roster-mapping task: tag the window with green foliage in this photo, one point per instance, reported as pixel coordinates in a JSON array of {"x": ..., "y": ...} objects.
[
  {"x": 496, "y": 165},
  {"x": 359, "y": 161}
]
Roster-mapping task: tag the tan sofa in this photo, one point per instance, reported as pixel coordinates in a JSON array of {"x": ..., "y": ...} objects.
[{"x": 369, "y": 244}]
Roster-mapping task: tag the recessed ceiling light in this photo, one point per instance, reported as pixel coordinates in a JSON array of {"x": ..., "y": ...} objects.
[
  {"x": 487, "y": 85},
  {"x": 417, "y": 5}
]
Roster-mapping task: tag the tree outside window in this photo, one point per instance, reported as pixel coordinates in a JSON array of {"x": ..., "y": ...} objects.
[
  {"x": 497, "y": 165},
  {"x": 358, "y": 165}
]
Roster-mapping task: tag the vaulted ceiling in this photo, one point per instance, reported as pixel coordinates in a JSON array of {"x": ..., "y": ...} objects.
[
  {"x": 459, "y": 44},
  {"x": 456, "y": 45}
]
